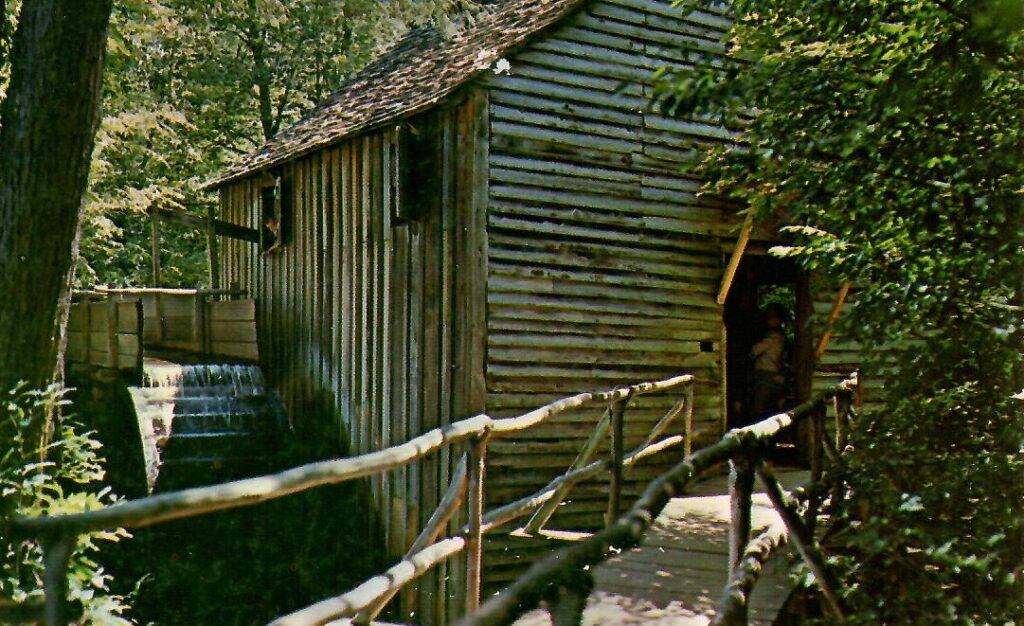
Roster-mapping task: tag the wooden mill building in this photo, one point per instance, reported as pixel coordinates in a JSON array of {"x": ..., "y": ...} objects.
[{"x": 483, "y": 223}]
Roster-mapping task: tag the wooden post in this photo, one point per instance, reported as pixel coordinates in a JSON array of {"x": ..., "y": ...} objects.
[
  {"x": 688, "y": 421},
  {"x": 155, "y": 243},
  {"x": 741, "y": 487},
  {"x": 56, "y": 553},
  {"x": 734, "y": 261},
  {"x": 803, "y": 540},
  {"x": 837, "y": 308},
  {"x": 475, "y": 510},
  {"x": 617, "y": 410}
]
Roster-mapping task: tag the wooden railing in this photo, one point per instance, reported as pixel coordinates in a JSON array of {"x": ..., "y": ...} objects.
[
  {"x": 58, "y": 534},
  {"x": 562, "y": 581}
]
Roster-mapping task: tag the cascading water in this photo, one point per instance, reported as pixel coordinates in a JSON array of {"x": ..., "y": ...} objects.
[{"x": 204, "y": 423}]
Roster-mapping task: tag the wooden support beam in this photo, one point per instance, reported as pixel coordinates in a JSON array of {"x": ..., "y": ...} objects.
[
  {"x": 837, "y": 309},
  {"x": 220, "y": 227},
  {"x": 734, "y": 261}
]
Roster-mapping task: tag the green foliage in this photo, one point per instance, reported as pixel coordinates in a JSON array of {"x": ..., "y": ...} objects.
[
  {"x": 61, "y": 479},
  {"x": 9, "y": 10},
  {"x": 192, "y": 85},
  {"x": 887, "y": 136}
]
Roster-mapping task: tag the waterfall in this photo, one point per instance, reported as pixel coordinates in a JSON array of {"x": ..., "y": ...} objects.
[{"x": 200, "y": 423}]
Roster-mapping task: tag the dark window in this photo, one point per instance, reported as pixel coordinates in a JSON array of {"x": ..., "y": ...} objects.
[
  {"x": 275, "y": 211},
  {"x": 419, "y": 170}
]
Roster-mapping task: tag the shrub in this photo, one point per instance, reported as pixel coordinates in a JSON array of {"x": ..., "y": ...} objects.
[{"x": 62, "y": 477}]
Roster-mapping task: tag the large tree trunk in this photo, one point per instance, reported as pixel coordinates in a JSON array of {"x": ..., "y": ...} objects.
[{"x": 48, "y": 122}]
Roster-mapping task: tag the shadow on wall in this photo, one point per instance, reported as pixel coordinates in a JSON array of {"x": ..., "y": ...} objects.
[{"x": 244, "y": 566}]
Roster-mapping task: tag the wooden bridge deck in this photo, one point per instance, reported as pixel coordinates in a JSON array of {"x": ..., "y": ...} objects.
[{"x": 676, "y": 577}]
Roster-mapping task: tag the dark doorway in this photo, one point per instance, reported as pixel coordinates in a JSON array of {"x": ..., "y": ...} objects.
[{"x": 766, "y": 316}]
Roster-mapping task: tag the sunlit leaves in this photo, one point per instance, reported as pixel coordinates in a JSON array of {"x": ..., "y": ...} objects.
[
  {"x": 888, "y": 132},
  {"x": 64, "y": 482}
]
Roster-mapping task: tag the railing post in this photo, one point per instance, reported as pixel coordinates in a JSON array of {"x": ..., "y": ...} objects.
[
  {"x": 475, "y": 510},
  {"x": 741, "y": 487},
  {"x": 56, "y": 553},
  {"x": 617, "y": 411},
  {"x": 688, "y": 421}
]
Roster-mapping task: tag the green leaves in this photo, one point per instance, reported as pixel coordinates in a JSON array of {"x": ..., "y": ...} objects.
[
  {"x": 63, "y": 482},
  {"x": 889, "y": 133},
  {"x": 192, "y": 85}
]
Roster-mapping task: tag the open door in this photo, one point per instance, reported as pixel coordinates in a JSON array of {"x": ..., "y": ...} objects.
[{"x": 766, "y": 315}]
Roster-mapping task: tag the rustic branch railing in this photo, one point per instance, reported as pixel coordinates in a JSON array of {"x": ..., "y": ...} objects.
[
  {"x": 562, "y": 577},
  {"x": 362, "y": 604}
]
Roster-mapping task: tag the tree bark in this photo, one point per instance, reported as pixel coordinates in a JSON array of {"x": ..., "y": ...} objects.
[{"x": 49, "y": 120}]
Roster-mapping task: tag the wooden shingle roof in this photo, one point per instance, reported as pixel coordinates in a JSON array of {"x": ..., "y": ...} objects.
[{"x": 421, "y": 70}]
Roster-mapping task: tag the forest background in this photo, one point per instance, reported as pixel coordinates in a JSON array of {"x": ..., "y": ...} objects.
[{"x": 190, "y": 86}]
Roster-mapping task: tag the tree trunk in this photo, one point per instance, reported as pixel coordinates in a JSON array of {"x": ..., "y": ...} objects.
[{"x": 48, "y": 121}]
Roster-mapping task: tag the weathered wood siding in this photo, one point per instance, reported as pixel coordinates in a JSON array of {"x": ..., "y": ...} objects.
[
  {"x": 604, "y": 263},
  {"x": 375, "y": 324}
]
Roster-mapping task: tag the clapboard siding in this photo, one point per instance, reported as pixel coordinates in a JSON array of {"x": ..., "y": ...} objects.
[
  {"x": 604, "y": 262},
  {"x": 366, "y": 322}
]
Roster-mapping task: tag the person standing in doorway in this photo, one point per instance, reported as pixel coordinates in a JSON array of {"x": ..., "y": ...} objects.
[{"x": 769, "y": 377}]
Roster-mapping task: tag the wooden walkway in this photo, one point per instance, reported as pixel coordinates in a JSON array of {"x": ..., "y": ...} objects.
[{"x": 676, "y": 577}]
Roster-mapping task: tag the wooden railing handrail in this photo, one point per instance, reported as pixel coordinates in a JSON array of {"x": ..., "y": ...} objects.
[
  {"x": 201, "y": 500},
  {"x": 629, "y": 529},
  {"x": 363, "y": 603}
]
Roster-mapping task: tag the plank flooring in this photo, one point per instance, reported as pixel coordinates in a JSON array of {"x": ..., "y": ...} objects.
[{"x": 676, "y": 577}]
